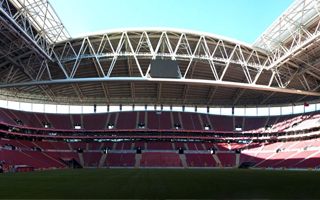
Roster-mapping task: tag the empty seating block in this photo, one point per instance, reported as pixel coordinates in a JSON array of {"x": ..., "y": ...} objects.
[
  {"x": 227, "y": 159},
  {"x": 160, "y": 159},
  {"x": 60, "y": 121},
  {"x": 120, "y": 160},
  {"x": 95, "y": 121},
  {"x": 91, "y": 159},
  {"x": 159, "y": 146},
  {"x": 126, "y": 120},
  {"x": 200, "y": 160}
]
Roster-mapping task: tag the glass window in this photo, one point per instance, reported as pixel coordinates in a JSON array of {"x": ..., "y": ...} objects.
[
  {"x": 275, "y": 111},
  {"x": 202, "y": 110},
  {"x": 150, "y": 108},
  {"x": 26, "y": 106},
  {"x": 318, "y": 106},
  {"x": 189, "y": 109},
  {"x": 102, "y": 109},
  {"x": 126, "y": 108},
  {"x": 310, "y": 108},
  {"x": 62, "y": 109},
  {"x": 114, "y": 108},
  {"x": 50, "y": 108},
  {"x": 76, "y": 109},
  {"x": 158, "y": 107},
  {"x": 87, "y": 109},
  {"x": 238, "y": 111},
  {"x": 251, "y": 111},
  {"x": 177, "y": 108},
  {"x": 38, "y": 107},
  {"x": 13, "y": 105},
  {"x": 3, "y": 103},
  {"x": 226, "y": 111},
  {"x": 139, "y": 108},
  {"x": 286, "y": 110},
  {"x": 215, "y": 111},
  {"x": 263, "y": 111},
  {"x": 298, "y": 109},
  {"x": 166, "y": 108}
]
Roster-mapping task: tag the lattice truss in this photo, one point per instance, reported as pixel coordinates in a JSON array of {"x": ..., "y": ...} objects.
[
  {"x": 28, "y": 31},
  {"x": 125, "y": 56},
  {"x": 36, "y": 20},
  {"x": 292, "y": 43}
]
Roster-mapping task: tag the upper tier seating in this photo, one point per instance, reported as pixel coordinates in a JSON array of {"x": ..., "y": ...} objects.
[
  {"x": 159, "y": 146},
  {"x": 158, "y": 120}
]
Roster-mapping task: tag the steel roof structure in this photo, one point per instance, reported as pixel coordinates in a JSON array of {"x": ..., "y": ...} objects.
[{"x": 40, "y": 62}]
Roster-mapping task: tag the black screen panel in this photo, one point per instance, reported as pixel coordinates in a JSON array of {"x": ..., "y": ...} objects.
[{"x": 161, "y": 68}]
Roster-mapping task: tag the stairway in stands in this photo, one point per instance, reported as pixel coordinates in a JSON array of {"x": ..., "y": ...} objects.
[
  {"x": 183, "y": 160},
  {"x": 137, "y": 160},
  {"x": 102, "y": 160},
  {"x": 81, "y": 159}
]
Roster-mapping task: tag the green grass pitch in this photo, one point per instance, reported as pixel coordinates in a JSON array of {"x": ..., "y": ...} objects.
[{"x": 160, "y": 184}]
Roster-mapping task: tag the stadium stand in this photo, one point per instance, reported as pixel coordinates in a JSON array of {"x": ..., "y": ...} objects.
[
  {"x": 57, "y": 154},
  {"x": 158, "y": 121},
  {"x": 160, "y": 159},
  {"x": 200, "y": 160},
  {"x": 216, "y": 74},
  {"x": 120, "y": 160}
]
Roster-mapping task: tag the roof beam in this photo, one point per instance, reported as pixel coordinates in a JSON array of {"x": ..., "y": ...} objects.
[
  {"x": 159, "y": 89},
  {"x": 22, "y": 68},
  {"x": 237, "y": 95},
  {"x": 20, "y": 31},
  {"x": 294, "y": 52},
  {"x": 194, "y": 82},
  {"x": 211, "y": 94}
]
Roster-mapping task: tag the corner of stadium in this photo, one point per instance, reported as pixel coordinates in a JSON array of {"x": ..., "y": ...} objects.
[{"x": 158, "y": 112}]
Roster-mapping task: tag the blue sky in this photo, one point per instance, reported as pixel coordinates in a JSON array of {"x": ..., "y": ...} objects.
[{"x": 243, "y": 20}]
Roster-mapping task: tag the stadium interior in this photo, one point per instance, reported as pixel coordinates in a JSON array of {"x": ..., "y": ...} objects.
[{"x": 167, "y": 85}]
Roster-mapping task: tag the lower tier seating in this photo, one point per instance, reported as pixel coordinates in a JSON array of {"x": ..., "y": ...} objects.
[
  {"x": 120, "y": 160},
  {"x": 48, "y": 155},
  {"x": 160, "y": 159}
]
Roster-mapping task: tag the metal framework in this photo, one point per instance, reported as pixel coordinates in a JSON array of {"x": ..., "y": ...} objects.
[
  {"x": 292, "y": 42},
  {"x": 114, "y": 67},
  {"x": 35, "y": 21},
  {"x": 120, "y": 60}
]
